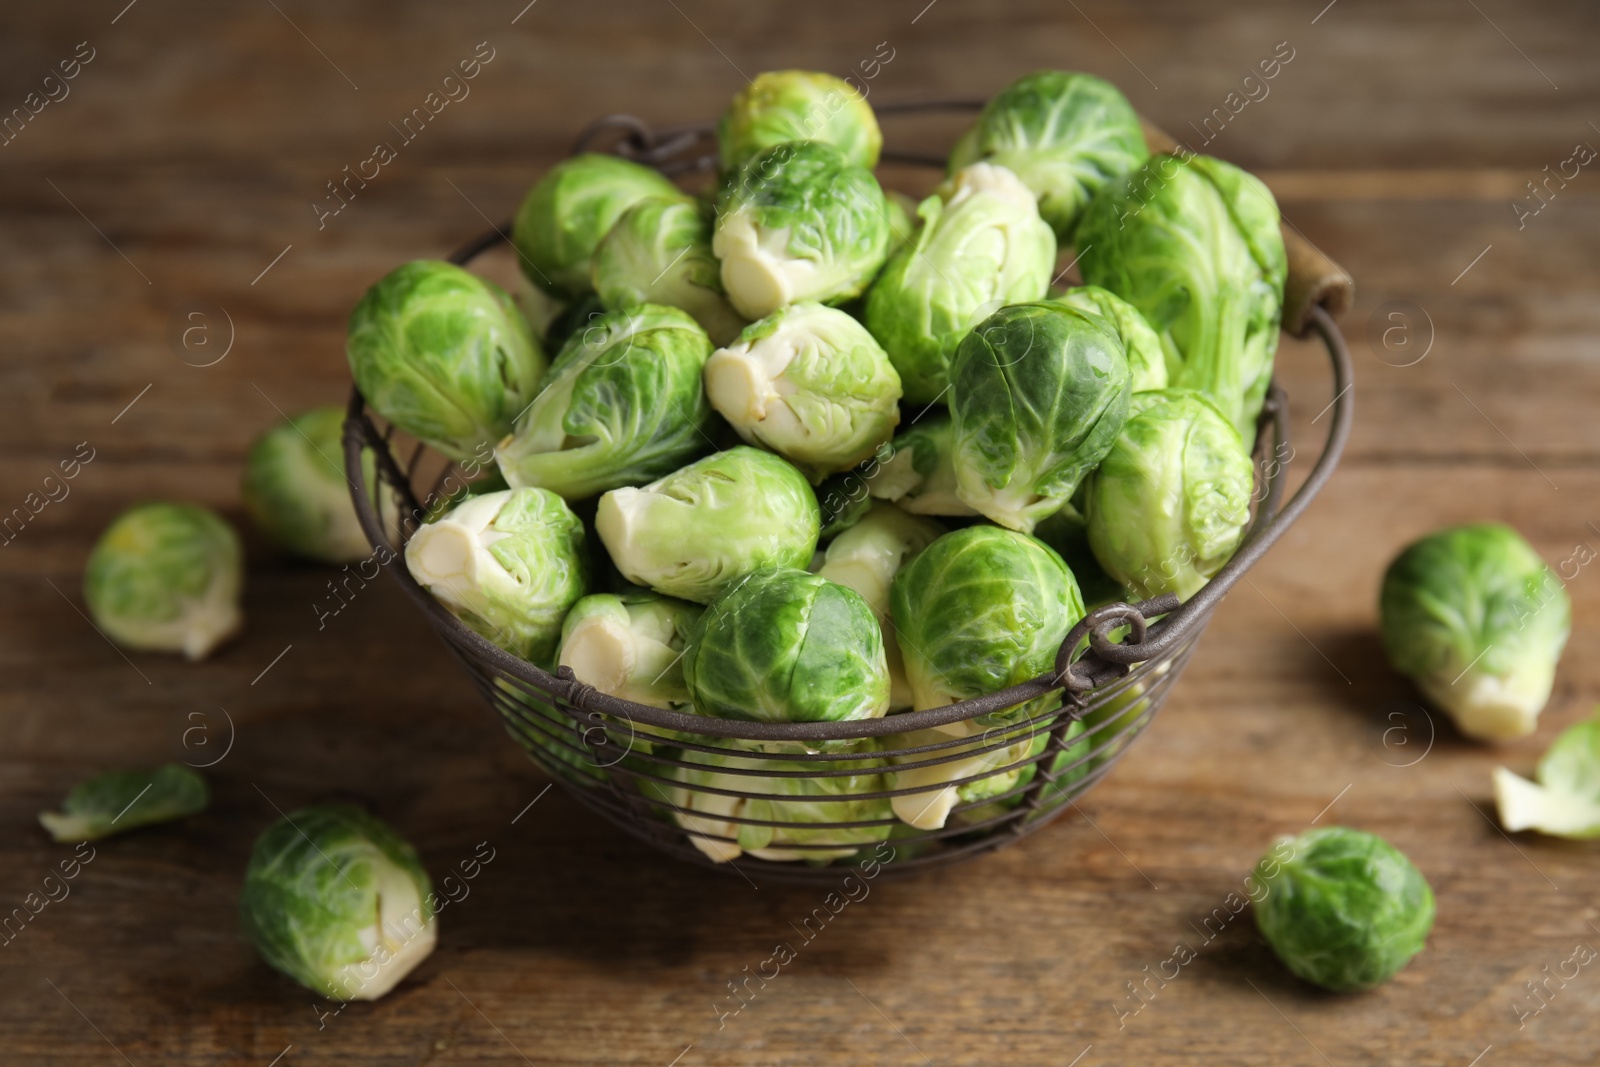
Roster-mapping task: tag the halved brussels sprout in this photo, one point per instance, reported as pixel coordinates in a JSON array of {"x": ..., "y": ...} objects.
[
  {"x": 166, "y": 578},
  {"x": 339, "y": 902},
  {"x": 1038, "y": 393},
  {"x": 1170, "y": 504},
  {"x": 1147, "y": 362},
  {"x": 799, "y": 222},
  {"x": 124, "y": 800},
  {"x": 1194, "y": 244},
  {"x": 780, "y": 106},
  {"x": 659, "y": 252},
  {"x": 785, "y": 645},
  {"x": 919, "y": 474},
  {"x": 1477, "y": 619},
  {"x": 570, "y": 210},
  {"x": 1566, "y": 800},
  {"x": 630, "y": 646},
  {"x": 508, "y": 564},
  {"x": 809, "y": 383},
  {"x": 866, "y": 557},
  {"x": 699, "y": 529},
  {"x": 1064, "y": 134},
  {"x": 1342, "y": 908},
  {"x": 979, "y": 610},
  {"x": 622, "y": 405},
  {"x": 981, "y": 245},
  {"x": 445, "y": 356}
]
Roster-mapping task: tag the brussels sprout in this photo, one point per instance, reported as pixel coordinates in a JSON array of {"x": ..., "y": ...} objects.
[
  {"x": 570, "y": 210},
  {"x": 339, "y": 902},
  {"x": 708, "y": 816},
  {"x": 630, "y": 646},
  {"x": 1064, "y": 134},
  {"x": 124, "y": 800},
  {"x": 1566, "y": 800},
  {"x": 784, "y": 645},
  {"x": 901, "y": 211},
  {"x": 844, "y": 501},
  {"x": 1170, "y": 504},
  {"x": 810, "y": 383},
  {"x": 919, "y": 473},
  {"x": 981, "y": 245},
  {"x": 166, "y": 578},
  {"x": 780, "y": 106},
  {"x": 659, "y": 252},
  {"x": 1147, "y": 362},
  {"x": 1067, "y": 531},
  {"x": 800, "y": 222},
  {"x": 1194, "y": 244},
  {"x": 701, "y": 528},
  {"x": 979, "y": 610},
  {"x": 866, "y": 558},
  {"x": 445, "y": 356},
  {"x": 508, "y": 564},
  {"x": 622, "y": 405},
  {"x": 1478, "y": 621},
  {"x": 990, "y": 757},
  {"x": 1343, "y": 909},
  {"x": 1038, "y": 393}
]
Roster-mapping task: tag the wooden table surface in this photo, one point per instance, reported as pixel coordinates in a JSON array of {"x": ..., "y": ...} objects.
[{"x": 179, "y": 172}]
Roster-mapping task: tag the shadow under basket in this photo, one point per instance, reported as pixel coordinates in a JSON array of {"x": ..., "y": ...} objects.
[{"x": 792, "y": 801}]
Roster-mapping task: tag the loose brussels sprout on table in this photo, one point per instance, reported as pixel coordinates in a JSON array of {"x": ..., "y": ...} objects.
[
  {"x": 1194, "y": 244},
  {"x": 810, "y": 383},
  {"x": 919, "y": 473},
  {"x": 1064, "y": 134},
  {"x": 781, "y": 106},
  {"x": 630, "y": 646},
  {"x": 339, "y": 902},
  {"x": 509, "y": 565},
  {"x": 1038, "y": 393},
  {"x": 659, "y": 252},
  {"x": 1477, "y": 619},
  {"x": 622, "y": 405},
  {"x": 1566, "y": 800},
  {"x": 445, "y": 356},
  {"x": 568, "y": 213},
  {"x": 699, "y": 529},
  {"x": 166, "y": 578},
  {"x": 124, "y": 800},
  {"x": 1171, "y": 502},
  {"x": 799, "y": 222},
  {"x": 981, "y": 244},
  {"x": 1147, "y": 361},
  {"x": 1342, "y": 909}
]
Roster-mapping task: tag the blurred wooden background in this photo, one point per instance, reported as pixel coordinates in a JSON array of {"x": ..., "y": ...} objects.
[{"x": 176, "y": 173}]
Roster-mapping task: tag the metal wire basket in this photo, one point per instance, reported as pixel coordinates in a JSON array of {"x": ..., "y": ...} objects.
[{"x": 1020, "y": 756}]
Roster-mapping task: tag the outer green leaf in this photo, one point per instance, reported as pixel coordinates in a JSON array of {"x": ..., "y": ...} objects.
[{"x": 124, "y": 800}]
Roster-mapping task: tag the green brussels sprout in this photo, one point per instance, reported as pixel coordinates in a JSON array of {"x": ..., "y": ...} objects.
[
  {"x": 1566, "y": 800},
  {"x": 445, "y": 356},
  {"x": 982, "y": 244},
  {"x": 809, "y": 383},
  {"x": 659, "y": 252},
  {"x": 699, "y": 529},
  {"x": 570, "y": 210},
  {"x": 1478, "y": 621},
  {"x": 296, "y": 490},
  {"x": 708, "y": 816},
  {"x": 785, "y": 645},
  {"x": 1194, "y": 244},
  {"x": 780, "y": 106},
  {"x": 622, "y": 405},
  {"x": 866, "y": 557},
  {"x": 338, "y": 901},
  {"x": 630, "y": 646},
  {"x": 799, "y": 222},
  {"x": 166, "y": 578},
  {"x": 124, "y": 800},
  {"x": 1170, "y": 504},
  {"x": 1342, "y": 909},
  {"x": 1038, "y": 393},
  {"x": 1147, "y": 361},
  {"x": 508, "y": 564},
  {"x": 919, "y": 473},
  {"x": 1064, "y": 134},
  {"x": 980, "y": 610},
  {"x": 940, "y": 783}
]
